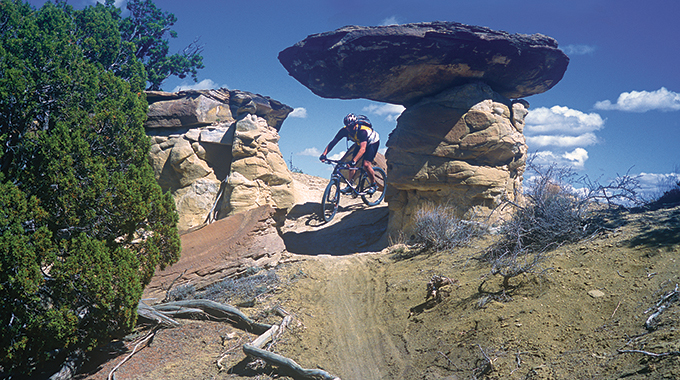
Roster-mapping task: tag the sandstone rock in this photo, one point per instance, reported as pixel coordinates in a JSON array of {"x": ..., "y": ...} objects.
[
  {"x": 220, "y": 250},
  {"x": 259, "y": 174},
  {"x": 186, "y": 110},
  {"x": 402, "y": 64},
  {"x": 205, "y": 107},
  {"x": 195, "y": 200},
  {"x": 463, "y": 147},
  {"x": 202, "y": 144}
]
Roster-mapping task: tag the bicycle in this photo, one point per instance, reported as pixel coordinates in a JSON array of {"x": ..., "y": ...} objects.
[{"x": 331, "y": 196}]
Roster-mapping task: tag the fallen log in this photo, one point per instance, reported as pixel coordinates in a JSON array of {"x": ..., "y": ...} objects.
[
  {"x": 147, "y": 312},
  {"x": 280, "y": 361},
  {"x": 200, "y": 308},
  {"x": 254, "y": 349}
]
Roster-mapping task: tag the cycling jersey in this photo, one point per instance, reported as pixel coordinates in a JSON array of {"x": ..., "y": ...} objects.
[{"x": 363, "y": 133}]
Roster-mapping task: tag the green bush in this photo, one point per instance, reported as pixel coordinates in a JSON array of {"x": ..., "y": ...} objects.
[{"x": 83, "y": 223}]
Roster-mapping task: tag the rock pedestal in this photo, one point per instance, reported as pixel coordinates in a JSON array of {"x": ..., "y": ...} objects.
[
  {"x": 217, "y": 152},
  {"x": 459, "y": 142},
  {"x": 463, "y": 148}
]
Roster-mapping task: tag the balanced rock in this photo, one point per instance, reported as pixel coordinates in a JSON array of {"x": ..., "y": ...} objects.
[
  {"x": 217, "y": 152},
  {"x": 402, "y": 64},
  {"x": 463, "y": 148}
]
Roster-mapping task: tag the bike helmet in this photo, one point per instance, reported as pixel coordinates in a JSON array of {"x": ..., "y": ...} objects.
[{"x": 350, "y": 120}]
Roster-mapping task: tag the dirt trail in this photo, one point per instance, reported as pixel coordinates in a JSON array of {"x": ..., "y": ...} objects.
[
  {"x": 359, "y": 312},
  {"x": 352, "y": 295}
]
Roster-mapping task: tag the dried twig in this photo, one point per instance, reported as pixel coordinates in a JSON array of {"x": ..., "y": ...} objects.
[
  {"x": 167, "y": 292},
  {"x": 653, "y": 354},
  {"x": 617, "y": 308},
  {"x": 447, "y": 358},
  {"x": 226, "y": 353},
  {"x": 150, "y": 335},
  {"x": 662, "y": 305}
]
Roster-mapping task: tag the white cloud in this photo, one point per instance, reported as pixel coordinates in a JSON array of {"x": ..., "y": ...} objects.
[
  {"x": 392, "y": 20},
  {"x": 643, "y": 101},
  {"x": 390, "y": 111},
  {"x": 561, "y": 119},
  {"x": 562, "y": 128},
  {"x": 309, "y": 152},
  {"x": 576, "y": 158},
  {"x": 579, "y": 49},
  {"x": 654, "y": 184},
  {"x": 205, "y": 84},
  {"x": 337, "y": 156},
  {"x": 118, "y": 3},
  {"x": 561, "y": 140},
  {"x": 299, "y": 112}
]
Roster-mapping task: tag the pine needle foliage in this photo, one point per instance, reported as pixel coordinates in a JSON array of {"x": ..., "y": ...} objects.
[{"x": 83, "y": 223}]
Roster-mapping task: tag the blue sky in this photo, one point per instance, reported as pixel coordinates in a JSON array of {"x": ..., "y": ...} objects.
[{"x": 617, "y": 107}]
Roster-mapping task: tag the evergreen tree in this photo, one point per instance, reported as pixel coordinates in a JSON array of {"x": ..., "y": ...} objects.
[
  {"x": 83, "y": 223},
  {"x": 146, "y": 28}
]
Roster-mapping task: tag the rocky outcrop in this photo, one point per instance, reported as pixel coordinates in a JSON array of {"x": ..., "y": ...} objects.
[
  {"x": 459, "y": 141},
  {"x": 217, "y": 152},
  {"x": 205, "y": 107},
  {"x": 223, "y": 249},
  {"x": 463, "y": 147},
  {"x": 259, "y": 175},
  {"x": 402, "y": 64}
]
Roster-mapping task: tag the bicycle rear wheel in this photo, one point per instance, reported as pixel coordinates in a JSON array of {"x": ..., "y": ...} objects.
[
  {"x": 330, "y": 201},
  {"x": 380, "y": 179}
]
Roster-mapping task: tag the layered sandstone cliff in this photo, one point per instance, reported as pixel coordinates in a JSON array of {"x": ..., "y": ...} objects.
[{"x": 217, "y": 152}]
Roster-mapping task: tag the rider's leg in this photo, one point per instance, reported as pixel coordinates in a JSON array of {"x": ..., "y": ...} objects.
[{"x": 369, "y": 169}]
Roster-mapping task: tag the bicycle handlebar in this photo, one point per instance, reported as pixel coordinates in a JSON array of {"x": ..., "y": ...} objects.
[{"x": 338, "y": 162}]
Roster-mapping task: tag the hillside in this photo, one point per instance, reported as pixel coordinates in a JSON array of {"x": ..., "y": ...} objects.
[{"x": 363, "y": 316}]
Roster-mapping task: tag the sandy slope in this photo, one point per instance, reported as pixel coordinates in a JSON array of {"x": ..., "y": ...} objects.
[{"x": 362, "y": 316}]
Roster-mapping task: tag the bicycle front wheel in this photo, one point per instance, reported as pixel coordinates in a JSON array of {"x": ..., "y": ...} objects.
[
  {"x": 330, "y": 201},
  {"x": 380, "y": 179}
]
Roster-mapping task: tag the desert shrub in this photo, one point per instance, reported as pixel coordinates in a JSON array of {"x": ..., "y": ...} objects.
[
  {"x": 555, "y": 213},
  {"x": 238, "y": 289},
  {"x": 438, "y": 227},
  {"x": 671, "y": 196},
  {"x": 182, "y": 292}
]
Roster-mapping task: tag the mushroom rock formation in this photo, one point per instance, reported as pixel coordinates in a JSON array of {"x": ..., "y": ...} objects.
[
  {"x": 401, "y": 64},
  {"x": 459, "y": 141}
]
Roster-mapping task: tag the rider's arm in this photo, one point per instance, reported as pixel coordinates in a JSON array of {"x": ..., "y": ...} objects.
[
  {"x": 362, "y": 150},
  {"x": 342, "y": 133}
]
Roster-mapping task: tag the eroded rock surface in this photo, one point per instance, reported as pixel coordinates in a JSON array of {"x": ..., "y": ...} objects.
[
  {"x": 221, "y": 250},
  {"x": 402, "y": 64},
  {"x": 463, "y": 147},
  {"x": 217, "y": 152}
]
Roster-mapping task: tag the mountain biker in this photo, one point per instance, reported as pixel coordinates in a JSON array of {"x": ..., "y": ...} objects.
[{"x": 360, "y": 131}]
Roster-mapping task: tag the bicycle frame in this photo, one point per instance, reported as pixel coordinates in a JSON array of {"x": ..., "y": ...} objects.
[
  {"x": 338, "y": 176},
  {"x": 363, "y": 189}
]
